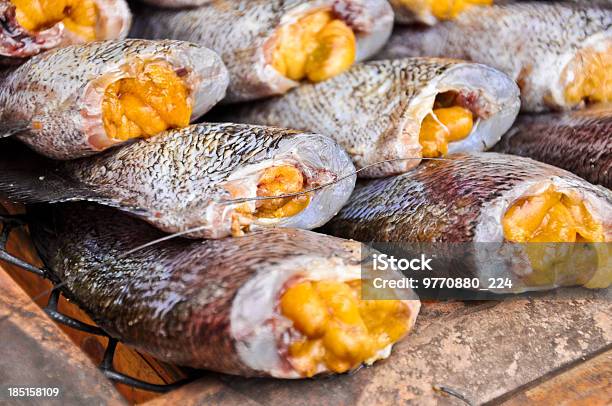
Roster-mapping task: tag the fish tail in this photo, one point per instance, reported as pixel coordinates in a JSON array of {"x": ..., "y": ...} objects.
[
  {"x": 13, "y": 128},
  {"x": 29, "y": 178}
]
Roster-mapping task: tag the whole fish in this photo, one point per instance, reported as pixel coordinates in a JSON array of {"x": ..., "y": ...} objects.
[
  {"x": 408, "y": 108},
  {"x": 188, "y": 180},
  {"x": 32, "y": 26},
  {"x": 559, "y": 54},
  {"x": 82, "y": 99},
  {"x": 280, "y": 302},
  {"x": 270, "y": 46},
  {"x": 479, "y": 202},
  {"x": 431, "y": 11},
  {"x": 578, "y": 141}
]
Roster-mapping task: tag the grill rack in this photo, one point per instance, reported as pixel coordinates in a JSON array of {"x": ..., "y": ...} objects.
[{"x": 11, "y": 222}]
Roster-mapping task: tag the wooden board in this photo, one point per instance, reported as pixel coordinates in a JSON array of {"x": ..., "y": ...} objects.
[
  {"x": 587, "y": 383},
  {"x": 35, "y": 353}
]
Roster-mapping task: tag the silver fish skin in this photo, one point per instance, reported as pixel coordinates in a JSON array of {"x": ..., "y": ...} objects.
[
  {"x": 590, "y": 3},
  {"x": 419, "y": 12},
  {"x": 578, "y": 141},
  {"x": 180, "y": 179},
  {"x": 532, "y": 42},
  {"x": 463, "y": 199},
  {"x": 54, "y": 101},
  {"x": 17, "y": 44},
  {"x": 177, "y": 3},
  {"x": 240, "y": 31},
  {"x": 204, "y": 304},
  {"x": 375, "y": 109}
]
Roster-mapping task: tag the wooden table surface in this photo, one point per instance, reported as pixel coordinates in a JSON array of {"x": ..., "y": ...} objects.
[{"x": 551, "y": 350}]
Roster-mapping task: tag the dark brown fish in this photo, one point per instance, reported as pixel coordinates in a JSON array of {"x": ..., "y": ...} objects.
[
  {"x": 235, "y": 305},
  {"x": 33, "y": 26},
  {"x": 486, "y": 200},
  {"x": 189, "y": 178},
  {"x": 578, "y": 141}
]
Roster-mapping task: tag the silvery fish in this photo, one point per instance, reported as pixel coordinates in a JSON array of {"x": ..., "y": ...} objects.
[
  {"x": 559, "y": 54},
  {"x": 82, "y": 99},
  {"x": 271, "y": 46},
  {"x": 578, "y": 141},
  {"x": 188, "y": 180},
  {"x": 395, "y": 109},
  {"x": 33, "y": 26},
  {"x": 550, "y": 227},
  {"x": 431, "y": 11},
  {"x": 283, "y": 303},
  {"x": 177, "y": 3}
]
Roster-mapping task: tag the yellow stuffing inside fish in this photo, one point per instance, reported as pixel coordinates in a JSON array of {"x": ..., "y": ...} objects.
[
  {"x": 273, "y": 181},
  {"x": 442, "y": 126},
  {"x": 316, "y": 47},
  {"x": 337, "y": 329},
  {"x": 588, "y": 76},
  {"x": 551, "y": 216},
  {"x": 79, "y": 16},
  {"x": 153, "y": 100},
  {"x": 281, "y": 180},
  {"x": 444, "y": 9},
  {"x": 557, "y": 217}
]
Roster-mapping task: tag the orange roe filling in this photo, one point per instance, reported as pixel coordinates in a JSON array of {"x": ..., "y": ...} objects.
[
  {"x": 152, "y": 101},
  {"x": 79, "y": 16},
  {"x": 555, "y": 217},
  {"x": 339, "y": 330},
  {"x": 316, "y": 47}
]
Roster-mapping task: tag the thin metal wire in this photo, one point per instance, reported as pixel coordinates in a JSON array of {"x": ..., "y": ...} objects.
[
  {"x": 9, "y": 223},
  {"x": 53, "y": 312}
]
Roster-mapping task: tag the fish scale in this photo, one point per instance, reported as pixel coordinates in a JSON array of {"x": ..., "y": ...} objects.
[
  {"x": 528, "y": 41},
  {"x": 49, "y": 91},
  {"x": 240, "y": 31},
  {"x": 372, "y": 109},
  {"x": 445, "y": 200},
  {"x": 578, "y": 141},
  {"x": 176, "y": 300},
  {"x": 176, "y": 180}
]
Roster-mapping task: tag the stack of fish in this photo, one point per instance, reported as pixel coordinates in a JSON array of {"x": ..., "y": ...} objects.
[{"x": 191, "y": 242}]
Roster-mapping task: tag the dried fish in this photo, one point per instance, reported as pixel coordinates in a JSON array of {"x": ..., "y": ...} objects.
[
  {"x": 559, "y": 54},
  {"x": 82, "y": 99},
  {"x": 578, "y": 141},
  {"x": 407, "y": 108},
  {"x": 280, "y": 302},
  {"x": 32, "y": 26},
  {"x": 270, "y": 46},
  {"x": 487, "y": 200},
  {"x": 194, "y": 179}
]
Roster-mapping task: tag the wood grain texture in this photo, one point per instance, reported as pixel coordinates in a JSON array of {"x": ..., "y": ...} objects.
[
  {"x": 36, "y": 353},
  {"x": 205, "y": 391},
  {"x": 588, "y": 383}
]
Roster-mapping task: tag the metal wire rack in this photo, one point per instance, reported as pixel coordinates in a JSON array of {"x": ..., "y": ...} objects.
[{"x": 11, "y": 222}]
